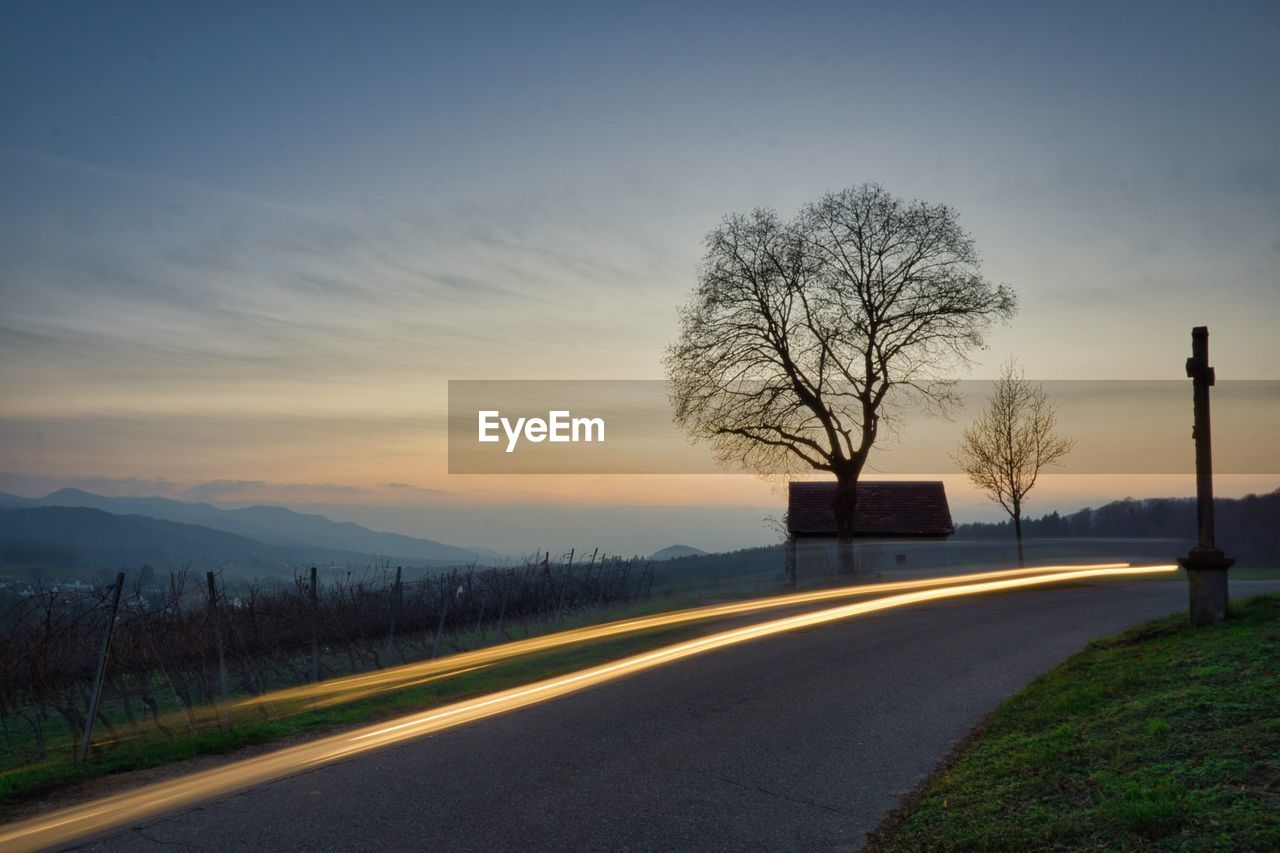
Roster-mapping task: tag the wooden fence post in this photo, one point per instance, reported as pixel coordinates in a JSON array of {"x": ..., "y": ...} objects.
[
  {"x": 222, "y": 661},
  {"x": 502, "y": 610},
  {"x": 551, "y": 581},
  {"x": 484, "y": 604},
  {"x": 96, "y": 695},
  {"x": 395, "y": 611},
  {"x": 564, "y": 584},
  {"x": 315, "y": 639},
  {"x": 444, "y": 612},
  {"x": 605, "y": 575}
]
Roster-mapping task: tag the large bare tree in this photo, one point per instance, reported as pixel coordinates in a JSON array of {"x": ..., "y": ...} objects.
[
  {"x": 799, "y": 331},
  {"x": 1012, "y": 440}
]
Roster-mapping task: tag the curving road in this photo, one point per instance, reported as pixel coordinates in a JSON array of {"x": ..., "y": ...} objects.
[{"x": 799, "y": 742}]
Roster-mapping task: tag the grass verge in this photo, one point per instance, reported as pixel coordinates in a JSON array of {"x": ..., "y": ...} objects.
[{"x": 1160, "y": 738}]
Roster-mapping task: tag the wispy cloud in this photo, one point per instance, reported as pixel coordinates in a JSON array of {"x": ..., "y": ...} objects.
[
  {"x": 245, "y": 290},
  {"x": 214, "y": 490},
  {"x": 184, "y": 185}
]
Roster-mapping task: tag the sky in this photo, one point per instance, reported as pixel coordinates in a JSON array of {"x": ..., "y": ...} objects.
[{"x": 244, "y": 247}]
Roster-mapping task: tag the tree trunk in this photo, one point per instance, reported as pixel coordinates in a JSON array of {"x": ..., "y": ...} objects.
[
  {"x": 1017, "y": 534},
  {"x": 845, "y": 506}
]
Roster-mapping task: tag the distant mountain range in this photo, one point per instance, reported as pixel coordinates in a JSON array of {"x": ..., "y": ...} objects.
[
  {"x": 73, "y": 538},
  {"x": 90, "y": 529}
]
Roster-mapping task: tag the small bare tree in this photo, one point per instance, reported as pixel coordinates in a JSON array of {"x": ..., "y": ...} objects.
[
  {"x": 1012, "y": 440},
  {"x": 798, "y": 331}
]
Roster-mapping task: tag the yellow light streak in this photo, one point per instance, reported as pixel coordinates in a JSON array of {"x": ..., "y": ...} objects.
[
  {"x": 351, "y": 695},
  {"x": 130, "y": 806},
  {"x": 367, "y": 684}
]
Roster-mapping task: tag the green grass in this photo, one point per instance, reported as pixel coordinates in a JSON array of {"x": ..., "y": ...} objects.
[
  {"x": 1161, "y": 738},
  {"x": 20, "y": 782}
]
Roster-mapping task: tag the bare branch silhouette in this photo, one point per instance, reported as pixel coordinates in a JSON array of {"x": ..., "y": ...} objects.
[
  {"x": 800, "y": 334},
  {"x": 1012, "y": 440}
]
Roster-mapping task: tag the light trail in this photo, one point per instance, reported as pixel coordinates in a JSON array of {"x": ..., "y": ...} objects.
[
  {"x": 130, "y": 806},
  {"x": 364, "y": 685}
]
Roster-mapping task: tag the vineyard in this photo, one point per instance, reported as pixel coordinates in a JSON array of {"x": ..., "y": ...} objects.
[{"x": 176, "y": 654}]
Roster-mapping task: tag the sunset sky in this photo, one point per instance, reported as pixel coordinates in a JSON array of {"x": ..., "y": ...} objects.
[{"x": 242, "y": 250}]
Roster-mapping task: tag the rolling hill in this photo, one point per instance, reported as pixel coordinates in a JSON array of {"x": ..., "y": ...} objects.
[
  {"x": 672, "y": 552},
  {"x": 271, "y": 525},
  {"x": 77, "y": 538}
]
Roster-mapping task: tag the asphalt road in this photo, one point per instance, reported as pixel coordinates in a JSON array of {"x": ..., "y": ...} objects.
[{"x": 802, "y": 742}]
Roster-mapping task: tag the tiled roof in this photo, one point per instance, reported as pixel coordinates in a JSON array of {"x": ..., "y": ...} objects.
[{"x": 915, "y": 508}]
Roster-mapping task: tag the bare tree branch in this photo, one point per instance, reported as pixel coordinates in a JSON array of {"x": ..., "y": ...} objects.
[
  {"x": 799, "y": 331},
  {"x": 1012, "y": 440}
]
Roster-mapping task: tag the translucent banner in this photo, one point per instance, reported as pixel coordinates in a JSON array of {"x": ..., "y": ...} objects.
[{"x": 628, "y": 427}]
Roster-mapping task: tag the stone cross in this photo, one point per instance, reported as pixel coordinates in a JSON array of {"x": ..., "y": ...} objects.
[
  {"x": 1206, "y": 565},
  {"x": 1202, "y": 377}
]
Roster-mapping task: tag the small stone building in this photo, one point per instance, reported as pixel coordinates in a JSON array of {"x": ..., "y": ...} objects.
[{"x": 887, "y": 511}]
